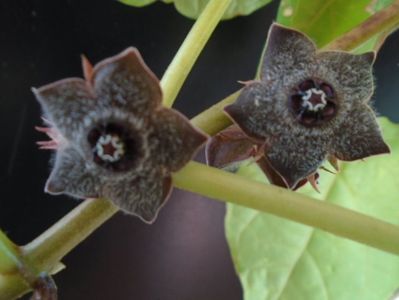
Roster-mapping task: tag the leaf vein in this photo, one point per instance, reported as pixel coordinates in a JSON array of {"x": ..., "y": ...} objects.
[{"x": 311, "y": 233}]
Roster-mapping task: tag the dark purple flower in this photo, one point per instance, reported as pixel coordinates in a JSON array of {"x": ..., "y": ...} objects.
[
  {"x": 309, "y": 106},
  {"x": 231, "y": 146},
  {"x": 113, "y": 137}
]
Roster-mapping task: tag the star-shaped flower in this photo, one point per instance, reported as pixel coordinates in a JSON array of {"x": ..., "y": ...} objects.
[
  {"x": 113, "y": 137},
  {"x": 308, "y": 106}
]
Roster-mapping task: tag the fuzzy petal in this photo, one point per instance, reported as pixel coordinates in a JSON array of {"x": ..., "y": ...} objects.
[
  {"x": 297, "y": 157},
  {"x": 143, "y": 196},
  {"x": 350, "y": 74},
  {"x": 174, "y": 140},
  {"x": 66, "y": 103},
  {"x": 258, "y": 113},
  {"x": 125, "y": 81},
  {"x": 359, "y": 136},
  {"x": 288, "y": 54},
  {"x": 229, "y": 147},
  {"x": 70, "y": 176},
  {"x": 272, "y": 176}
]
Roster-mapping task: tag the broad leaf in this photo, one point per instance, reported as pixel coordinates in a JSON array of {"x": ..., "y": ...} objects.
[
  {"x": 325, "y": 20},
  {"x": 138, "y": 3},
  {"x": 193, "y": 8},
  {"x": 279, "y": 259}
]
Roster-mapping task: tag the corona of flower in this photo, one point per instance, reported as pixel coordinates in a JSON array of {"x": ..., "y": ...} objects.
[
  {"x": 308, "y": 106},
  {"x": 113, "y": 138}
]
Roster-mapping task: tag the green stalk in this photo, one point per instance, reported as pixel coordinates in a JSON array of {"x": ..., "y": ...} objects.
[
  {"x": 45, "y": 252},
  {"x": 213, "y": 119},
  {"x": 10, "y": 278},
  {"x": 181, "y": 65},
  {"x": 52, "y": 245},
  {"x": 13, "y": 286},
  {"x": 14, "y": 270},
  {"x": 8, "y": 255},
  {"x": 386, "y": 20},
  {"x": 228, "y": 187}
]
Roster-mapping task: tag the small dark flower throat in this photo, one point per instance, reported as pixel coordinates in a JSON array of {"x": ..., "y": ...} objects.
[
  {"x": 313, "y": 102},
  {"x": 114, "y": 147}
]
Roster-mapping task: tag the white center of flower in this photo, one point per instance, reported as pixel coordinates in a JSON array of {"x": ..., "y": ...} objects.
[
  {"x": 110, "y": 148},
  {"x": 314, "y": 100}
]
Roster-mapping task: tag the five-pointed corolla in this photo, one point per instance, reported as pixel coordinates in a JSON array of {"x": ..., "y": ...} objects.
[
  {"x": 113, "y": 137},
  {"x": 308, "y": 106}
]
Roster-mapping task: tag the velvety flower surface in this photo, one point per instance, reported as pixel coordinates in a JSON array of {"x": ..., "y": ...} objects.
[
  {"x": 308, "y": 106},
  {"x": 113, "y": 137},
  {"x": 231, "y": 146}
]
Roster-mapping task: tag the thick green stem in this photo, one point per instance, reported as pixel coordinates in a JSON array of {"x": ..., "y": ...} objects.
[
  {"x": 227, "y": 187},
  {"x": 181, "y": 65},
  {"x": 10, "y": 278},
  {"x": 15, "y": 270},
  {"x": 213, "y": 119},
  {"x": 12, "y": 287},
  {"x": 8, "y": 254},
  {"x": 385, "y": 20},
  {"x": 51, "y": 246}
]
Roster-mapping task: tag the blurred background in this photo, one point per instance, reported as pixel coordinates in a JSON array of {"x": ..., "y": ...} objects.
[{"x": 184, "y": 255}]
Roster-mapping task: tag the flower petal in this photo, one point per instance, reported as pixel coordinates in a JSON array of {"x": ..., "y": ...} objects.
[
  {"x": 229, "y": 147},
  {"x": 258, "y": 113},
  {"x": 288, "y": 54},
  {"x": 125, "y": 81},
  {"x": 66, "y": 103},
  {"x": 297, "y": 157},
  {"x": 174, "y": 140},
  {"x": 70, "y": 176},
  {"x": 359, "y": 136},
  {"x": 143, "y": 196},
  {"x": 272, "y": 176},
  {"x": 350, "y": 74}
]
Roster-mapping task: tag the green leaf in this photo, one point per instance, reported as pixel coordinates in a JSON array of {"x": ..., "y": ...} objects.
[
  {"x": 193, "y": 8},
  {"x": 280, "y": 259},
  {"x": 326, "y": 20},
  {"x": 137, "y": 3}
]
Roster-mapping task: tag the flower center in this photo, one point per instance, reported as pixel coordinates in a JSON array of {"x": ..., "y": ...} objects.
[
  {"x": 110, "y": 148},
  {"x": 313, "y": 102},
  {"x": 115, "y": 147}
]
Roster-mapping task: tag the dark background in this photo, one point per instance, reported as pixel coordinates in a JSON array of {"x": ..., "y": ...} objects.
[{"x": 184, "y": 255}]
